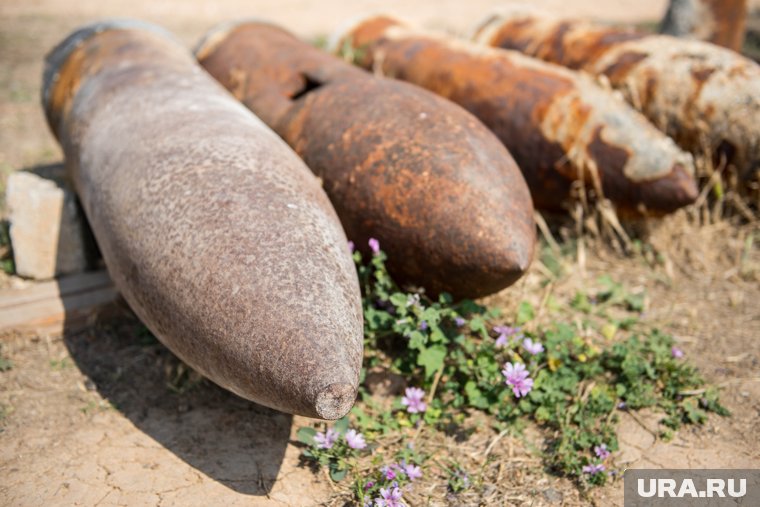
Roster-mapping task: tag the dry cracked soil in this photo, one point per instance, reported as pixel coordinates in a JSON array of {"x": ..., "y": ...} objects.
[{"x": 109, "y": 417}]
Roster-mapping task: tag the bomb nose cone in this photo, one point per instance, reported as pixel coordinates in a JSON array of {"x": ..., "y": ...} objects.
[{"x": 334, "y": 401}]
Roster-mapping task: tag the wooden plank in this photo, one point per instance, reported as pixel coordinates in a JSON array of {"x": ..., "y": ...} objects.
[
  {"x": 59, "y": 287},
  {"x": 56, "y": 306}
]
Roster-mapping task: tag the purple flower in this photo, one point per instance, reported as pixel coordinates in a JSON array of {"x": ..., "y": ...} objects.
[
  {"x": 505, "y": 332},
  {"x": 676, "y": 352},
  {"x": 412, "y": 400},
  {"x": 593, "y": 469},
  {"x": 601, "y": 451},
  {"x": 412, "y": 471},
  {"x": 389, "y": 472},
  {"x": 423, "y": 325},
  {"x": 368, "y": 485},
  {"x": 326, "y": 440},
  {"x": 459, "y": 321},
  {"x": 518, "y": 378},
  {"x": 622, "y": 405},
  {"x": 390, "y": 498},
  {"x": 532, "y": 347},
  {"x": 351, "y": 246},
  {"x": 355, "y": 440},
  {"x": 374, "y": 245}
]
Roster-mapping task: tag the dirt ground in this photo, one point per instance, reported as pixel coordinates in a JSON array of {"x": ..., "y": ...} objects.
[{"x": 108, "y": 417}]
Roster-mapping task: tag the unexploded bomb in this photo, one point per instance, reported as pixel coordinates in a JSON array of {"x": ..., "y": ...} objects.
[
  {"x": 400, "y": 164},
  {"x": 216, "y": 233},
  {"x": 559, "y": 125},
  {"x": 706, "y": 97}
]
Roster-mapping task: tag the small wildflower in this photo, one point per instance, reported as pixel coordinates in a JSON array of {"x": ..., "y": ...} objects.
[
  {"x": 369, "y": 485},
  {"x": 622, "y": 405},
  {"x": 423, "y": 325},
  {"x": 518, "y": 378},
  {"x": 374, "y": 245},
  {"x": 413, "y": 300},
  {"x": 601, "y": 451},
  {"x": 355, "y": 440},
  {"x": 389, "y": 472},
  {"x": 505, "y": 332},
  {"x": 412, "y": 471},
  {"x": 390, "y": 498},
  {"x": 532, "y": 347},
  {"x": 351, "y": 247},
  {"x": 326, "y": 440},
  {"x": 412, "y": 400},
  {"x": 593, "y": 469},
  {"x": 459, "y": 321},
  {"x": 676, "y": 352}
]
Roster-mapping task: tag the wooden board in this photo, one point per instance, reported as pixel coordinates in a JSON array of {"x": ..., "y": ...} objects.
[{"x": 65, "y": 304}]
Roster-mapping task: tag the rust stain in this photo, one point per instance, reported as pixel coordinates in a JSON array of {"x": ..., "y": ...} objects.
[
  {"x": 673, "y": 81},
  {"x": 546, "y": 116},
  {"x": 623, "y": 65},
  {"x": 439, "y": 191}
]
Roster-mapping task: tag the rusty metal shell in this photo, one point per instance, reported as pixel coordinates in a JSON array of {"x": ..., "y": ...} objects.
[
  {"x": 215, "y": 232},
  {"x": 559, "y": 125},
  {"x": 400, "y": 164},
  {"x": 707, "y": 98},
  {"x": 721, "y": 22}
]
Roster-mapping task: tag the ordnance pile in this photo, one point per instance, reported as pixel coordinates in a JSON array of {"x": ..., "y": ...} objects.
[
  {"x": 234, "y": 254},
  {"x": 705, "y": 97}
]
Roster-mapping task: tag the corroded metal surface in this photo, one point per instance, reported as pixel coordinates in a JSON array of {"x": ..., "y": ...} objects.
[
  {"x": 560, "y": 126},
  {"x": 215, "y": 232},
  {"x": 706, "y": 97},
  {"x": 439, "y": 190},
  {"x": 721, "y": 22}
]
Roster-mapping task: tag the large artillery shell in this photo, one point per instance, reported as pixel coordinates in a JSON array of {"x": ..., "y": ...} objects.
[
  {"x": 560, "y": 126},
  {"x": 721, "y": 22},
  {"x": 215, "y": 232},
  {"x": 400, "y": 164},
  {"x": 706, "y": 97}
]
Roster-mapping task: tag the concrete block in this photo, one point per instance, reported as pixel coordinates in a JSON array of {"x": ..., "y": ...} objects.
[{"x": 48, "y": 232}]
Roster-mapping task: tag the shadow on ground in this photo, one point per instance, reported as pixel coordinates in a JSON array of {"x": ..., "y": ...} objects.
[{"x": 231, "y": 440}]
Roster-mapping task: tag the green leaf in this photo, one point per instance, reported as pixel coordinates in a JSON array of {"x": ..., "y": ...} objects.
[
  {"x": 525, "y": 313},
  {"x": 417, "y": 340},
  {"x": 337, "y": 474},
  {"x": 341, "y": 425},
  {"x": 635, "y": 302},
  {"x": 431, "y": 315},
  {"x": 478, "y": 326},
  {"x": 431, "y": 359},
  {"x": 581, "y": 303},
  {"x": 475, "y": 396},
  {"x": 399, "y": 299},
  {"x": 306, "y": 434},
  {"x": 542, "y": 414},
  {"x": 436, "y": 335}
]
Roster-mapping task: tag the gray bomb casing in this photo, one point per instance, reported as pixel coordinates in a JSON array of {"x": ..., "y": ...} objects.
[{"x": 218, "y": 236}]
